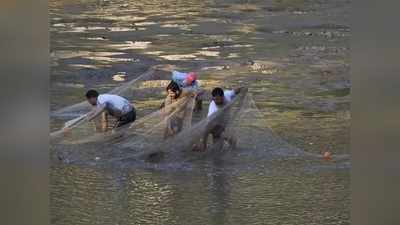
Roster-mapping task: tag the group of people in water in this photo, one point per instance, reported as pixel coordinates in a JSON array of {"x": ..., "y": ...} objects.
[{"x": 181, "y": 85}]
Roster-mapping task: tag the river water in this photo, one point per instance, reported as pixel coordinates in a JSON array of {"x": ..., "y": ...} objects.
[{"x": 299, "y": 81}]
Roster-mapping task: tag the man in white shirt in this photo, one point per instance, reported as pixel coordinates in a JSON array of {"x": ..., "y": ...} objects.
[
  {"x": 219, "y": 99},
  {"x": 114, "y": 105}
]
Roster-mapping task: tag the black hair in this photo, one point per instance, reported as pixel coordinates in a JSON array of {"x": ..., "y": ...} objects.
[
  {"x": 173, "y": 86},
  {"x": 92, "y": 94},
  {"x": 217, "y": 92}
]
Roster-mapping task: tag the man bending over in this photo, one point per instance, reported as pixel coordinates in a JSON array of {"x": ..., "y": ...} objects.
[
  {"x": 219, "y": 99},
  {"x": 113, "y": 105}
]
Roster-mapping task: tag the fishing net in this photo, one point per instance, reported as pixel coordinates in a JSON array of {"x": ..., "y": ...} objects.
[
  {"x": 241, "y": 127},
  {"x": 149, "y": 85},
  {"x": 171, "y": 135},
  {"x": 81, "y": 136},
  {"x": 174, "y": 133},
  {"x": 156, "y": 126},
  {"x": 125, "y": 90}
]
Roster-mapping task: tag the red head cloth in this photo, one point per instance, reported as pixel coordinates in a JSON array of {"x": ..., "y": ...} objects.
[{"x": 192, "y": 76}]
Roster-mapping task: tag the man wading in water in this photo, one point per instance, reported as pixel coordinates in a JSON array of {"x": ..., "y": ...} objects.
[
  {"x": 114, "y": 105},
  {"x": 219, "y": 99},
  {"x": 174, "y": 94}
]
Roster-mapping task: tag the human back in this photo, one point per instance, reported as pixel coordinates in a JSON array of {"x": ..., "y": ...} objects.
[
  {"x": 114, "y": 102},
  {"x": 113, "y": 105}
]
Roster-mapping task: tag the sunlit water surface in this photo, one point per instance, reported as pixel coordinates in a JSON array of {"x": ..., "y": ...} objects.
[{"x": 300, "y": 82}]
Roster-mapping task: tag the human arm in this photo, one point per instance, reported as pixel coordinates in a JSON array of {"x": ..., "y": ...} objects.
[
  {"x": 162, "y": 105},
  {"x": 95, "y": 112},
  {"x": 86, "y": 117},
  {"x": 237, "y": 90},
  {"x": 104, "y": 121},
  {"x": 166, "y": 106},
  {"x": 230, "y": 94},
  {"x": 212, "y": 108}
]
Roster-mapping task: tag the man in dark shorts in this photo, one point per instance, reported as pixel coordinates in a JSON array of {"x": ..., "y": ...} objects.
[
  {"x": 114, "y": 105},
  {"x": 126, "y": 118}
]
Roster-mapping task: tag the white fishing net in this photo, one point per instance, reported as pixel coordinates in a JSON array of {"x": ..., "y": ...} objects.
[
  {"x": 149, "y": 85},
  {"x": 125, "y": 91},
  {"x": 244, "y": 130},
  {"x": 171, "y": 134},
  {"x": 158, "y": 137}
]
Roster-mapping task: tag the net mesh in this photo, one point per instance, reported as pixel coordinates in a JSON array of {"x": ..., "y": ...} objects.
[
  {"x": 244, "y": 130},
  {"x": 152, "y": 126},
  {"x": 150, "y": 84},
  {"x": 170, "y": 134},
  {"x": 126, "y": 90},
  {"x": 153, "y": 138}
]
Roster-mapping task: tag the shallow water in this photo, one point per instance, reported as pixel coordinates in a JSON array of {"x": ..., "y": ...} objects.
[{"x": 300, "y": 82}]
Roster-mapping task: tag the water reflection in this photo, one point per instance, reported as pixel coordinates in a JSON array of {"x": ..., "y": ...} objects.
[{"x": 220, "y": 193}]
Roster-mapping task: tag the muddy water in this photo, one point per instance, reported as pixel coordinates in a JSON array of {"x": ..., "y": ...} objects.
[{"x": 300, "y": 81}]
